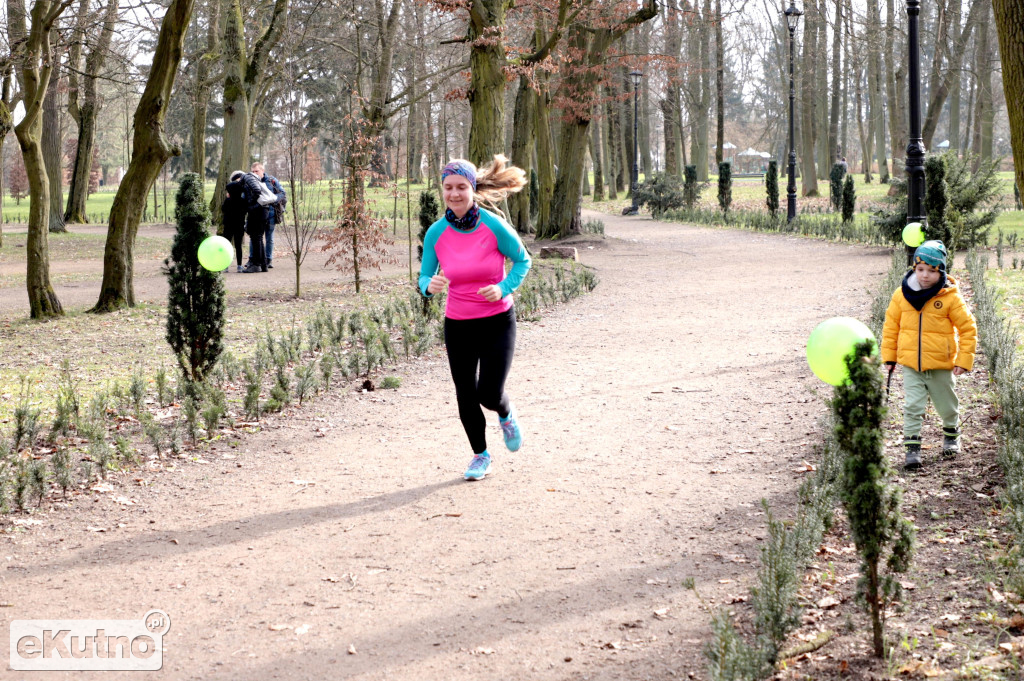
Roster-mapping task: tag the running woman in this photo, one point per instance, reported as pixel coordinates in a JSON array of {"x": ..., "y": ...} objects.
[{"x": 465, "y": 252}]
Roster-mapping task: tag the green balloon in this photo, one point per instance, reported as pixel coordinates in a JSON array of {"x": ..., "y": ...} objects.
[
  {"x": 830, "y": 343},
  {"x": 913, "y": 235},
  {"x": 215, "y": 253}
]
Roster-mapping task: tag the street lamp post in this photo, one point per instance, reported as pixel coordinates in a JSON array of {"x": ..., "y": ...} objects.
[
  {"x": 636, "y": 75},
  {"x": 915, "y": 146},
  {"x": 792, "y": 19}
]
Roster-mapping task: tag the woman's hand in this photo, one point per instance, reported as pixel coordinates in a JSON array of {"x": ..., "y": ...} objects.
[
  {"x": 491, "y": 294},
  {"x": 959, "y": 371},
  {"x": 438, "y": 282}
]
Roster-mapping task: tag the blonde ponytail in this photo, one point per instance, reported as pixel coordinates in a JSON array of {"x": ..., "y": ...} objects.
[{"x": 498, "y": 180}]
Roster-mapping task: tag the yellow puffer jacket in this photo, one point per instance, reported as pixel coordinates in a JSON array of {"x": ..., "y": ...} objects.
[{"x": 927, "y": 339}]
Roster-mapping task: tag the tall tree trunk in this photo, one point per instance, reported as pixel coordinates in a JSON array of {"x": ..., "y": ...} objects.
[
  {"x": 487, "y": 78},
  {"x": 629, "y": 129},
  {"x": 1009, "y": 16},
  {"x": 150, "y": 150},
  {"x": 596, "y": 154},
  {"x": 33, "y": 53},
  {"x": 719, "y": 86},
  {"x": 955, "y": 8},
  {"x": 646, "y": 166},
  {"x": 53, "y": 152},
  {"x": 593, "y": 44},
  {"x": 875, "y": 84},
  {"x": 243, "y": 77},
  {"x": 863, "y": 132},
  {"x": 6, "y": 125},
  {"x": 617, "y": 139},
  {"x": 821, "y": 112},
  {"x": 523, "y": 128},
  {"x": 699, "y": 89},
  {"x": 985, "y": 116},
  {"x": 670, "y": 105},
  {"x": 545, "y": 151},
  {"x": 837, "y": 89},
  {"x": 895, "y": 77},
  {"x": 937, "y": 97},
  {"x": 611, "y": 159},
  {"x": 201, "y": 88},
  {"x": 809, "y": 174},
  {"x": 84, "y": 111}
]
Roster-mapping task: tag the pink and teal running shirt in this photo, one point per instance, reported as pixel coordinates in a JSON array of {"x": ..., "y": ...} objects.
[{"x": 472, "y": 260}]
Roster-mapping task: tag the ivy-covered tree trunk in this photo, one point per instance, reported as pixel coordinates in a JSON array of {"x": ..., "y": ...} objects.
[
  {"x": 487, "y": 79},
  {"x": 150, "y": 150},
  {"x": 1010, "y": 24},
  {"x": 85, "y": 114}
]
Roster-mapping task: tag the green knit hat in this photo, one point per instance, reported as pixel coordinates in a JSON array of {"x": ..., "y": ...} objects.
[{"x": 931, "y": 253}]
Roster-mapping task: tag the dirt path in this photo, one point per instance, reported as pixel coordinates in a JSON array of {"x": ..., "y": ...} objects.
[{"x": 658, "y": 410}]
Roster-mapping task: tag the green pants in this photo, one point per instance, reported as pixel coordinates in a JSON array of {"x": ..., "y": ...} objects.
[{"x": 918, "y": 386}]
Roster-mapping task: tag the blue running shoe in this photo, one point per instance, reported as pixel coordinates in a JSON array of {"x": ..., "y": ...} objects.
[
  {"x": 511, "y": 432},
  {"x": 478, "y": 467}
]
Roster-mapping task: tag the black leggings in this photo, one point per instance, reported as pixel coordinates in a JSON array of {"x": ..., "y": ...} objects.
[
  {"x": 235, "y": 234},
  {"x": 487, "y": 343}
]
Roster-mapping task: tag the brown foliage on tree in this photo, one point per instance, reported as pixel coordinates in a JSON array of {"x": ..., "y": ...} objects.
[{"x": 359, "y": 239}]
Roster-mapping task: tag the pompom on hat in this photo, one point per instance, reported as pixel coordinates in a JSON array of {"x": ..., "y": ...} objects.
[{"x": 932, "y": 253}]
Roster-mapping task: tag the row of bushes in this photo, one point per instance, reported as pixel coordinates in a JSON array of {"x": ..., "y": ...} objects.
[
  {"x": 108, "y": 430},
  {"x": 1006, "y": 370},
  {"x": 852, "y": 468}
]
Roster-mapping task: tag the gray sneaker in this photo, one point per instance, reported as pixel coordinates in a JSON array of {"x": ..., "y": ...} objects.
[
  {"x": 950, "y": 445},
  {"x": 913, "y": 460}
]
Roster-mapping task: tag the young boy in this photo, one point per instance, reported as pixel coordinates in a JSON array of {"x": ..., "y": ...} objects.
[{"x": 925, "y": 317}]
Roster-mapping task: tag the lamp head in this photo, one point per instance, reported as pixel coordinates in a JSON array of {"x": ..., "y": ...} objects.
[
  {"x": 636, "y": 75},
  {"x": 793, "y": 15}
]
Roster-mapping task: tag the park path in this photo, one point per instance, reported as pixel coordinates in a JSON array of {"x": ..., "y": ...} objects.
[{"x": 341, "y": 542}]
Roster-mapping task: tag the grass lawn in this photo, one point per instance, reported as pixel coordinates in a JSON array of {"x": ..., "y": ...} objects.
[{"x": 324, "y": 195}]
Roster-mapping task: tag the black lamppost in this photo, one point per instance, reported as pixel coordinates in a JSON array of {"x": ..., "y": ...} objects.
[
  {"x": 792, "y": 19},
  {"x": 636, "y": 76},
  {"x": 915, "y": 146}
]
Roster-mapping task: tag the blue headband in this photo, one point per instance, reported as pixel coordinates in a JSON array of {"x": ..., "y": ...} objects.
[{"x": 461, "y": 168}]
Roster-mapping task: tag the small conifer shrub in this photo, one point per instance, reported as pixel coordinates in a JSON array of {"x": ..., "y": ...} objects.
[
  {"x": 835, "y": 185},
  {"x": 883, "y": 537},
  {"x": 849, "y": 199},
  {"x": 771, "y": 182},
  {"x": 195, "y": 300},
  {"x": 725, "y": 186}
]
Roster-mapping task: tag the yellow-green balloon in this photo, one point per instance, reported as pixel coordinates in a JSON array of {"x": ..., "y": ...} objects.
[
  {"x": 215, "y": 253},
  {"x": 913, "y": 235},
  {"x": 830, "y": 343}
]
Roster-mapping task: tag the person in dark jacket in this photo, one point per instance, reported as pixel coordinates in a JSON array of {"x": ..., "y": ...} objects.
[
  {"x": 274, "y": 217},
  {"x": 234, "y": 209},
  {"x": 256, "y": 218}
]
